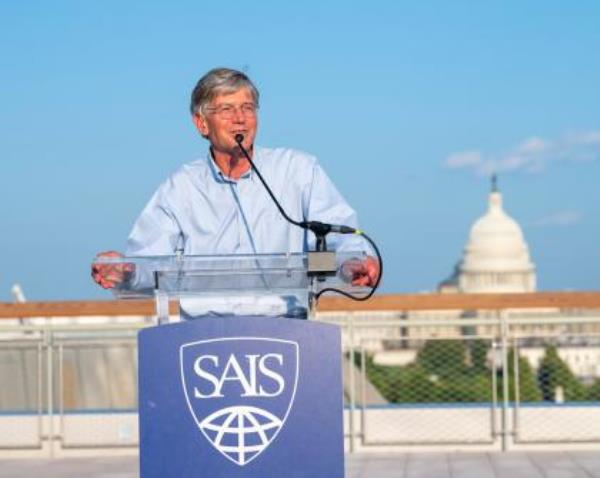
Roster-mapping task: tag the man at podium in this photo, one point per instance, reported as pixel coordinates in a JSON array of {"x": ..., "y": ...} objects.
[
  {"x": 236, "y": 398},
  {"x": 217, "y": 205}
]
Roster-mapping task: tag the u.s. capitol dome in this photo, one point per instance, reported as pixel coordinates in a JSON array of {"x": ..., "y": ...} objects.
[{"x": 496, "y": 257}]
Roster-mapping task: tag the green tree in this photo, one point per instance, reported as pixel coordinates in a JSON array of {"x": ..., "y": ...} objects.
[
  {"x": 465, "y": 388},
  {"x": 528, "y": 384},
  {"x": 408, "y": 384},
  {"x": 415, "y": 385},
  {"x": 553, "y": 373},
  {"x": 439, "y": 374},
  {"x": 593, "y": 392},
  {"x": 444, "y": 358},
  {"x": 478, "y": 350}
]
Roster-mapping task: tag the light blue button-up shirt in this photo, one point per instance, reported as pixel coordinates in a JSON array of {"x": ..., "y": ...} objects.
[{"x": 199, "y": 210}]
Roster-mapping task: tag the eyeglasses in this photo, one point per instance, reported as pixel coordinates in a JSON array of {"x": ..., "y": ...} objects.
[{"x": 227, "y": 111}]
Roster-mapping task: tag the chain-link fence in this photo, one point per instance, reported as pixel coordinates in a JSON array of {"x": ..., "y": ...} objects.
[
  {"x": 494, "y": 380},
  {"x": 558, "y": 394},
  {"x": 97, "y": 390},
  {"x": 69, "y": 386},
  {"x": 427, "y": 386},
  {"x": 21, "y": 392}
]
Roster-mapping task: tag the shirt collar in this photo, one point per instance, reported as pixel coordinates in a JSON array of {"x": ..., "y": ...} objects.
[{"x": 222, "y": 178}]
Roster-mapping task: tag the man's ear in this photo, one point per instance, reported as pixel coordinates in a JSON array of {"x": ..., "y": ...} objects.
[{"x": 200, "y": 123}]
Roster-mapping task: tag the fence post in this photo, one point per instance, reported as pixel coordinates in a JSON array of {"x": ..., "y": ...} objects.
[
  {"x": 505, "y": 378},
  {"x": 517, "y": 402},
  {"x": 351, "y": 385},
  {"x": 494, "y": 418},
  {"x": 49, "y": 386},
  {"x": 363, "y": 393},
  {"x": 61, "y": 391}
]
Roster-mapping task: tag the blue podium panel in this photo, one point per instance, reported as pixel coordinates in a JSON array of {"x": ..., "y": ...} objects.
[{"x": 241, "y": 397}]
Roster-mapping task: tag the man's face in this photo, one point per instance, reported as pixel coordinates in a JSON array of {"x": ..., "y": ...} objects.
[{"x": 226, "y": 116}]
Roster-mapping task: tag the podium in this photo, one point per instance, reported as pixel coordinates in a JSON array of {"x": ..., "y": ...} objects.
[{"x": 236, "y": 385}]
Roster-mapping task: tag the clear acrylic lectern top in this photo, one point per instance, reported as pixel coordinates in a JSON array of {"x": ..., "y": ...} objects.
[{"x": 274, "y": 285}]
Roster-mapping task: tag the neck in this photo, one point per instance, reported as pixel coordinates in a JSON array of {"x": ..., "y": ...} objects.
[{"x": 232, "y": 164}]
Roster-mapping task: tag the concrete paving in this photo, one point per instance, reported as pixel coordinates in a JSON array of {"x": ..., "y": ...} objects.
[{"x": 579, "y": 464}]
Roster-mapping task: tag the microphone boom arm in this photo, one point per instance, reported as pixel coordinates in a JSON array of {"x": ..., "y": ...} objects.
[{"x": 319, "y": 229}]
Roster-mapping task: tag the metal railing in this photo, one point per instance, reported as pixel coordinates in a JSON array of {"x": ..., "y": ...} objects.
[
  {"x": 497, "y": 379},
  {"x": 505, "y": 381},
  {"x": 85, "y": 393}
]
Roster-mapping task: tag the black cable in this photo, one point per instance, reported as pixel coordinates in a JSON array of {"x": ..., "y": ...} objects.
[
  {"x": 318, "y": 228},
  {"x": 374, "y": 287},
  {"x": 238, "y": 139}
]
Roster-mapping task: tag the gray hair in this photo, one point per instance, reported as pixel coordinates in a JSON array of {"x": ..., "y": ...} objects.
[{"x": 219, "y": 81}]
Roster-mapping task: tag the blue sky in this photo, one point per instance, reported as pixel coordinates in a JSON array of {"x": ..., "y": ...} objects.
[{"x": 407, "y": 105}]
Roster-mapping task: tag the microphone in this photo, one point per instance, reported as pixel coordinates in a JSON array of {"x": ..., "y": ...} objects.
[{"x": 320, "y": 229}]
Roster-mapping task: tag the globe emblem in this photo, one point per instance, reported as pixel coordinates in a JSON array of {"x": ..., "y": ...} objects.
[
  {"x": 241, "y": 433},
  {"x": 240, "y": 391}
]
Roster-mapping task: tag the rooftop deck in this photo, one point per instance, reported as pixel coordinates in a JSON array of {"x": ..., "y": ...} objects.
[{"x": 430, "y": 465}]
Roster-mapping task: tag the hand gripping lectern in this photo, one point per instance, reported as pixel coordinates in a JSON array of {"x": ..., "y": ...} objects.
[{"x": 233, "y": 386}]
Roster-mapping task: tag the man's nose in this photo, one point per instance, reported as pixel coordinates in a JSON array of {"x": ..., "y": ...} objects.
[{"x": 238, "y": 116}]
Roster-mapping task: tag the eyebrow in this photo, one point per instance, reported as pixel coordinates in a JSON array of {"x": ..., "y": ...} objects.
[{"x": 234, "y": 104}]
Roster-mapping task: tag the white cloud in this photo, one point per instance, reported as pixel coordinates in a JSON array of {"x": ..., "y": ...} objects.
[
  {"x": 533, "y": 145},
  {"x": 532, "y": 155},
  {"x": 464, "y": 159},
  {"x": 563, "y": 218},
  {"x": 585, "y": 138}
]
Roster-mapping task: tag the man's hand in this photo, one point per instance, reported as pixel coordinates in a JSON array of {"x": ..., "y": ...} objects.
[
  {"x": 110, "y": 275},
  {"x": 361, "y": 272}
]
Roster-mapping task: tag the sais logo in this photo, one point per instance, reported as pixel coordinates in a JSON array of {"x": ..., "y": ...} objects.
[{"x": 240, "y": 391}]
